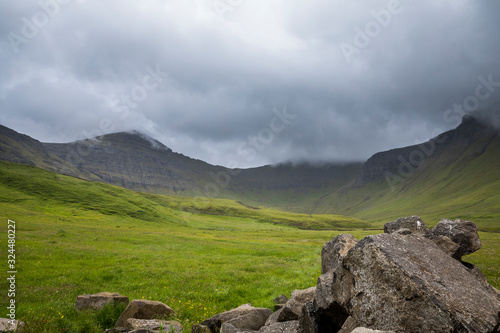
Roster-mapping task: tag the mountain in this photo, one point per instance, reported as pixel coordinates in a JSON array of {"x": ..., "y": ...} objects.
[
  {"x": 456, "y": 174},
  {"x": 135, "y": 161}
]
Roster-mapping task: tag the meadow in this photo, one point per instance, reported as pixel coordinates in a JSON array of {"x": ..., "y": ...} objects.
[{"x": 199, "y": 256}]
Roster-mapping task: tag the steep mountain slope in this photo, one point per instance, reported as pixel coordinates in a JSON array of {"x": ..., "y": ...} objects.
[
  {"x": 456, "y": 174},
  {"x": 20, "y": 148},
  {"x": 137, "y": 162}
]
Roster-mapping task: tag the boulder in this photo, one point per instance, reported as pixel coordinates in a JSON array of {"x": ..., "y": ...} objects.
[
  {"x": 143, "y": 309},
  {"x": 335, "y": 250},
  {"x": 308, "y": 320},
  {"x": 407, "y": 225},
  {"x": 405, "y": 283},
  {"x": 293, "y": 308},
  {"x": 249, "y": 320},
  {"x": 283, "y": 327},
  {"x": 97, "y": 301},
  {"x": 273, "y": 318},
  {"x": 282, "y": 299},
  {"x": 153, "y": 325},
  {"x": 8, "y": 325},
  {"x": 246, "y": 311},
  {"x": 464, "y": 233}
]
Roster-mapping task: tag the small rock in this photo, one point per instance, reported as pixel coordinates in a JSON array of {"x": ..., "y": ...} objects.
[
  {"x": 293, "y": 308},
  {"x": 282, "y": 299},
  {"x": 97, "y": 301},
  {"x": 464, "y": 233},
  {"x": 215, "y": 323},
  {"x": 249, "y": 320},
  {"x": 143, "y": 309},
  {"x": 413, "y": 224},
  {"x": 273, "y": 318}
]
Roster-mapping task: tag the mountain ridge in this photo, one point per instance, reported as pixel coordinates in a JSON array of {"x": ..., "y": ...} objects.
[{"x": 135, "y": 161}]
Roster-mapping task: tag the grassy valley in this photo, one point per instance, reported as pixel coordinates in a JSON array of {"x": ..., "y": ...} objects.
[{"x": 200, "y": 256}]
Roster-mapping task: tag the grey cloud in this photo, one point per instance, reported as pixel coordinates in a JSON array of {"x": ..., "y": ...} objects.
[{"x": 227, "y": 74}]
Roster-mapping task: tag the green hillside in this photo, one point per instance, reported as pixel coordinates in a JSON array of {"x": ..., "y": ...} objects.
[{"x": 200, "y": 256}]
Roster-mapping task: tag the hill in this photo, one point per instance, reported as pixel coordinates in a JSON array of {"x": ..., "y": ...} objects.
[{"x": 456, "y": 174}]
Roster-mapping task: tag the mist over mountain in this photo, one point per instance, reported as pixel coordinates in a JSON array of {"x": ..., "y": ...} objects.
[{"x": 135, "y": 161}]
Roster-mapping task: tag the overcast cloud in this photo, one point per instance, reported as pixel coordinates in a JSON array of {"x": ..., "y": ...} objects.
[{"x": 248, "y": 82}]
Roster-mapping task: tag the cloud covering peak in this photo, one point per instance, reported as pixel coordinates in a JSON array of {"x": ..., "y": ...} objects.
[{"x": 211, "y": 78}]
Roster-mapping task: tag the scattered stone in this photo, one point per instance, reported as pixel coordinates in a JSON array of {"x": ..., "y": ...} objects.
[
  {"x": 249, "y": 320},
  {"x": 334, "y": 250},
  {"x": 293, "y": 308},
  {"x": 97, "y": 301},
  {"x": 154, "y": 324},
  {"x": 283, "y": 327},
  {"x": 143, "y": 309},
  {"x": 406, "y": 225},
  {"x": 8, "y": 325},
  {"x": 464, "y": 233},
  {"x": 282, "y": 299},
  {"x": 215, "y": 323},
  {"x": 308, "y": 321},
  {"x": 407, "y": 284}
]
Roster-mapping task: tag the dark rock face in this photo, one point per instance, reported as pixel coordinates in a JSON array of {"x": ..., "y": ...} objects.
[
  {"x": 407, "y": 284},
  {"x": 464, "y": 233}
]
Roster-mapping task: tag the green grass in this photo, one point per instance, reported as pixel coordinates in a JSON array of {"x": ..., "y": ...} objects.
[{"x": 199, "y": 256}]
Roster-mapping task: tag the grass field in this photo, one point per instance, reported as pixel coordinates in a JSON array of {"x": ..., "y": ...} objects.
[{"x": 199, "y": 256}]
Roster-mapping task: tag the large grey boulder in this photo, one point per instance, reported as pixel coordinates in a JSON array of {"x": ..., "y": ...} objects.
[
  {"x": 293, "y": 308},
  {"x": 407, "y": 225},
  {"x": 143, "y": 309},
  {"x": 461, "y": 232},
  {"x": 334, "y": 250},
  {"x": 97, "y": 301},
  {"x": 405, "y": 283}
]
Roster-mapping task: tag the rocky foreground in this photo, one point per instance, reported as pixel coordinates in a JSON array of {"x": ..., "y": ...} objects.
[{"x": 409, "y": 279}]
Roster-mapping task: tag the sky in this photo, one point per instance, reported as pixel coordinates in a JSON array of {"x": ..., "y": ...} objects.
[{"x": 243, "y": 83}]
